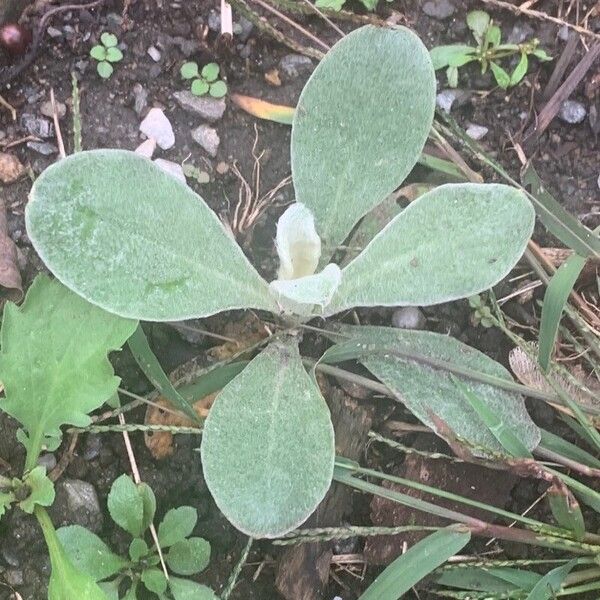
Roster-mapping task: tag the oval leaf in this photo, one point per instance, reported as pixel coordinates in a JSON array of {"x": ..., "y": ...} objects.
[
  {"x": 176, "y": 525},
  {"x": 189, "y": 556},
  {"x": 450, "y": 243},
  {"x": 132, "y": 239},
  {"x": 348, "y": 151},
  {"x": 267, "y": 448},
  {"x": 429, "y": 391}
]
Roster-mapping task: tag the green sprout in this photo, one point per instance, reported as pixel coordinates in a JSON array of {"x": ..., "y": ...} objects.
[
  {"x": 106, "y": 53},
  {"x": 488, "y": 51},
  {"x": 206, "y": 81}
]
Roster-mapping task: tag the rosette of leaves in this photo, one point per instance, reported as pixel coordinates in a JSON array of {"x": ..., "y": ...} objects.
[
  {"x": 488, "y": 52},
  {"x": 204, "y": 82},
  {"x": 106, "y": 53},
  {"x": 132, "y": 507},
  {"x": 268, "y": 445}
]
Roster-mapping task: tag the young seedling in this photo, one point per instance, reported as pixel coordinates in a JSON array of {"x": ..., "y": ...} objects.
[
  {"x": 268, "y": 446},
  {"x": 106, "y": 53},
  {"x": 488, "y": 51},
  {"x": 204, "y": 82},
  {"x": 132, "y": 508}
]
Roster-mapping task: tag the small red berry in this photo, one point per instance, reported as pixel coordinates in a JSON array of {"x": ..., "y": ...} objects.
[{"x": 14, "y": 38}]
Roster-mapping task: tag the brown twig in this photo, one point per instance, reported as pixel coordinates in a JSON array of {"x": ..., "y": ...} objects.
[{"x": 59, "y": 137}]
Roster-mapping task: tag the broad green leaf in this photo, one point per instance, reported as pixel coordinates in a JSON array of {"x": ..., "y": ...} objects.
[
  {"x": 89, "y": 553},
  {"x": 98, "y": 52},
  {"x": 409, "y": 363},
  {"x": 556, "y": 219},
  {"x": 109, "y": 39},
  {"x": 189, "y": 70},
  {"x": 41, "y": 490},
  {"x": 105, "y": 69},
  {"x": 415, "y": 564},
  {"x": 268, "y": 448},
  {"x": 493, "y": 35},
  {"x": 548, "y": 586},
  {"x": 66, "y": 581},
  {"x": 210, "y": 72},
  {"x": 189, "y": 556},
  {"x": 130, "y": 505},
  {"x": 444, "y": 56},
  {"x": 114, "y": 55},
  {"x": 146, "y": 245},
  {"x": 176, "y": 525},
  {"x": 110, "y": 588},
  {"x": 478, "y": 22},
  {"x": 330, "y": 4},
  {"x": 138, "y": 549},
  {"x": 53, "y": 360},
  {"x": 555, "y": 299},
  {"x": 154, "y": 580},
  {"x": 520, "y": 70},
  {"x": 200, "y": 87},
  {"x": 145, "y": 358},
  {"x": 361, "y": 123},
  {"x": 184, "y": 589},
  {"x": 450, "y": 243},
  {"x": 218, "y": 89},
  {"x": 452, "y": 76},
  {"x": 489, "y": 579},
  {"x": 500, "y": 75}
]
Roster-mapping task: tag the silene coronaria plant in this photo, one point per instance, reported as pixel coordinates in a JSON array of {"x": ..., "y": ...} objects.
[{"x": 134, "y": 241}]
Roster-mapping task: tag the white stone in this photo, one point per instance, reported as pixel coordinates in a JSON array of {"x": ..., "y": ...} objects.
[
  {"x": 157, "y": 126},
  {"x": 171, "y": 168},
  {"x": 476, "y": 132},
  {"x": 154, "y": 54},
  {"x": 147, "y": 148}
]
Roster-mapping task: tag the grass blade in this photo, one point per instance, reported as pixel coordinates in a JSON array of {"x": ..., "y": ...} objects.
[
  {"x": 556, "y": 219},
  {"x": 565, "y": 509},
  {"x": 420, "y": 560},
  {"x": 491, "y": 580},
  {"x": 149, "y": 364},
  {"x": 556, "y": 297},
  {"x": 547, "y": 587},
  {"x": 557, "y": 444}
]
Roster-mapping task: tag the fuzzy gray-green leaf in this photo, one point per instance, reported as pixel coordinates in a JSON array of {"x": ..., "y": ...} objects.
[
  {"x": 361, "y": 123},
  {"x": 267, "y": 448},
  {"x": 132, "y": 239},
  {"x": 450, "y": 243}
]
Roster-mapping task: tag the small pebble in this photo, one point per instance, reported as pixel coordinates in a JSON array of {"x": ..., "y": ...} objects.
[
  {"x": 476, "y": 132},
  {"x": 11, "y": 168},
  {"x": 572, "y": 112},
  {"x": 48, "y": 461},
  {"x": 293, "y": 64},
  {"x": 14, "y": 577},
  {"x": 408, "y": 317},
  {"x": 243, "y": 29},
  {"x": 445, "y": 99},
  {"x": 53, "y": 32},
  {"x": 157, "y": 126},
  {"x": 140, "y": 95},
  {"x": 210, "y": 109},
  {"x": 439, "y": 9},
  {"x": 207, "y": 138},
  {"x": 92, "y": 447},
  {"x": 214, "y": 21},
  {"x": 37, "y": 126},
  {"x": 154, "y": 54},
  {"x": 47, "y": 111},
  {"x": 45, "y": 148},
  {"x": 171, "y": 168},
  {"x": 147, "y": 148}
]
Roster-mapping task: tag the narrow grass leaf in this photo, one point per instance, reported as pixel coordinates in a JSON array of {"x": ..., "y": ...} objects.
[
  {"x": 550, "y": 584},
  {"x": 556, "y": 219},
  {"x": 485, "y": 579},
  {"x": 555, "y": 298},
  {"x": 557, "y": 444},
  {"x": 145, "y": 358},
  {"x": 565, "y": 509},
  {"x": 420, "y": 560}
]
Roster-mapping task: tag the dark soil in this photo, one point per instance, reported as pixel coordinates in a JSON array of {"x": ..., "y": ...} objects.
[{"x": 566, "y": 157}]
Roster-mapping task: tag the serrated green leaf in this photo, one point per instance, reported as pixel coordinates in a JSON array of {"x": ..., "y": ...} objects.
[
  {"x": 555, "y": 299},
  {"x": 89, "y": 553},
  {"x": 42, "y": 373},
  {"x": 105, "y": 69},
  {"x": 478, "y": 22},
  {"x": 210, "y": 72},
  {"x": 184, "y": 589},
  {"x": 145, "y": 243},
  {"x": 399, "y": 358},
  {"x": 98, "y": 52},
  {"x": 199, "y": 87},
  {"x": 416, "y": 563},
  {"x": 450, "y": 243},
  {"x": 189, "y": 70},
  {"x": 443, "y": 56},
  {"x": 110, "y": 40},
  {"x": 218, "y": 89},
  {"x": 360, "y": 156},
  {"x": 176, "y": 525},
  {"x": 126, "y": 505},
  {"x": 267, "y": 448},
  {"x": 41, "y": 490},
  {"x": 189, "y": 556},
  {"x": 154, "y": 580},
  {"x": 114, "y": 55},
  {"x": 66, "y": 581},
  {"x": 138, "y": 549}
]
